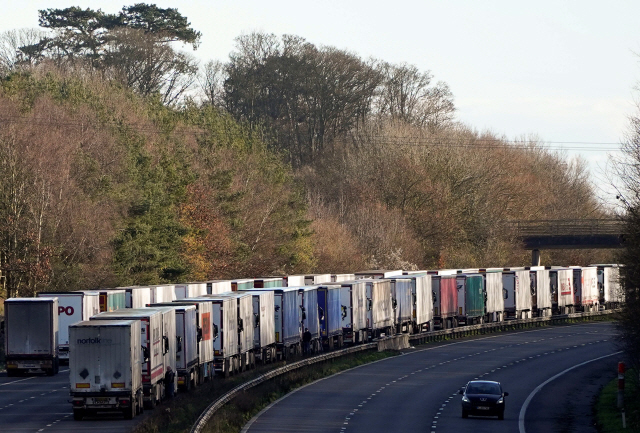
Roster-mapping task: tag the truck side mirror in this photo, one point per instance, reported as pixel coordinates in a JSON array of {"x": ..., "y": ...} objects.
[
  {"x": 256, "y": 320},
  {"x": 215, "y": 332},
  {"x": 199, "y": 334},
  {"x": 178, "y": 344},
  {"x": 240, "y": 325}
]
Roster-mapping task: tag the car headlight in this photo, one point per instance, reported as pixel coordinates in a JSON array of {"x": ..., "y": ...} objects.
[
  {"x": 500, "y": 401},
  {"x": 465, "y": 399}
]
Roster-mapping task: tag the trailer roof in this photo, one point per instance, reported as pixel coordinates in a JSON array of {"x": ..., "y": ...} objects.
[
  {"x": 43, "y": 299},
  {"x": 123, "y": 322}
]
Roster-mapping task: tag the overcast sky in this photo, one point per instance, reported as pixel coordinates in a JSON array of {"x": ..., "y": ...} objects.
[{"x": 562, "y": 70}]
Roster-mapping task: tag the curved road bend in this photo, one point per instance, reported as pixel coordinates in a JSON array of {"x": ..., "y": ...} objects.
[{"x": 418, "y": 391}]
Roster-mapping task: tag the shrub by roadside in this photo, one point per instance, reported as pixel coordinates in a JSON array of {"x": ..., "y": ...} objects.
[{"x": 608, "y": 415}]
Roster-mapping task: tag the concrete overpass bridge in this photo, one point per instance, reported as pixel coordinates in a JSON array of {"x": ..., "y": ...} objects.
[{"x": 568, "y": 234}]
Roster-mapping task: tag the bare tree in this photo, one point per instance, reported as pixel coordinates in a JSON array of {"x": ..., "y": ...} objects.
[
  {"x": 11, "y": 41},
  {"x": 211, "y": 83}
]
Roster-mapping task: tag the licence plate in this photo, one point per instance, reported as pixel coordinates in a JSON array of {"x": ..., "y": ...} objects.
[
  {"x": 101, "y": 400},
  {"x": 483, "y": 408}
]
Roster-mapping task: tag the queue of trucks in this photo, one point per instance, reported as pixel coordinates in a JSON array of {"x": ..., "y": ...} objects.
[{"x": 130, "y": 348}]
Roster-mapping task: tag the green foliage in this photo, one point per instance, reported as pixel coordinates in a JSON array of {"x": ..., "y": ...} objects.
[{"x": 608, "y": 416}]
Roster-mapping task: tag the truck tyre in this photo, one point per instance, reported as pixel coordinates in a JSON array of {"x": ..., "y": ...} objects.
[
  {"x": 78, "y": 414},
  {"x": 50, "y": 371},
  {"x": 12, "y": 373},
  {"x": 57, "y": 366},
  {"x": 130, "y": 412}
]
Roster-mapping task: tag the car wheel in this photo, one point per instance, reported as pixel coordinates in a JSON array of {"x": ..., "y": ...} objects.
[
  {"x": 465, "y": 414},
  {"x": 501, "y": 415}
]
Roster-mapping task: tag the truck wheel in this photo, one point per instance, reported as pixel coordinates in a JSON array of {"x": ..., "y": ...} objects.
[
  {"x": 151, "y": 403},
  {"x": 50, "y": 371},
  {"x": 78, "y": 414},
  {"x": 196, "y": 378},
  {"x": 130, "y": 412},
  {"x": 12, "y": 373}
]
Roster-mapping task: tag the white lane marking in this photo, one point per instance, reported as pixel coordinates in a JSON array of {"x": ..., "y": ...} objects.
[
  {"x": 19, "y": 380},
  {"x": 523, "y": 409}
]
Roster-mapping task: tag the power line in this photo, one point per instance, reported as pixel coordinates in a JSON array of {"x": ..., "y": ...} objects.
[{"x": 412, "y": 141}]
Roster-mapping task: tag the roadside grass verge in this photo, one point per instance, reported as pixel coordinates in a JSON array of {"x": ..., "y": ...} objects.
[
  {"x": 608, "y": 415},
  {"x": 186, "y": 408}
]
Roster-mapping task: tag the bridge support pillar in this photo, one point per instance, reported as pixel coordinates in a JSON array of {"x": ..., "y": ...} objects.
[{"x": 535, "y": 258}]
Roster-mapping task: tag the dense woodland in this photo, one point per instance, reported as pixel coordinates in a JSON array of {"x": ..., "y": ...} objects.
[{"x": 124, "y": 161}]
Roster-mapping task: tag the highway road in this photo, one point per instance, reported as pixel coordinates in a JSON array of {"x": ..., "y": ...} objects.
[
  {"x": 552, "y": 375},
  {"x": 413, "y": 392},
  {"x": 41, "y": 404}
]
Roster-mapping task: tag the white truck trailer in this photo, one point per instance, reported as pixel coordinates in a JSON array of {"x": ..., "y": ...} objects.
[
  {"x": 353, "y": 307},
  {"x": 611, "y": 294},
  {"x": 190, "y": 290},
  {"x": 287, "y": 320},
  {"x": 152, "y": 343},
  {"x": 517, "y": 302},
  {"x": 186, "y": 343},
  {"x": 224, "y": 320},
  {"x": 169, "y": 349},
  {"x": 541, "y": 296},
  {"x": 218, "y": 286},
  {"x": 137, "y": 297},
  {"x": 561, "y": 282},
  {"x": 329, "y": 312},
  {"x": 379, "y": 308},
  {"x": 245, "y": 327},
  {"x": 31, "y": 335},
  {"x": 207, "y": 334},
  {"x": 422, "y": 301},
  {"x": 105, "y": 367},
  {"x": 338, "y": 278},
  {"x": 585, "y": 285},
  {"x": 494, "y": 294},
  {"x": 402, "y": 303},
  {"x": 162, "y": 293},
  {"x": 264, "y": 334},
  {"x": 310, "y": 317},
  {"x": 378, "y": 273},
  {"x": 73, "y": 307}
]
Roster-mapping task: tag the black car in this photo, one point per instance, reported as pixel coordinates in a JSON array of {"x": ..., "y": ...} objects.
[{"x": 484, "y": 398}]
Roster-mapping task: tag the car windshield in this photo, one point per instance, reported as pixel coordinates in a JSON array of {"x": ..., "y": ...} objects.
[{"x": 483, "y": 388}]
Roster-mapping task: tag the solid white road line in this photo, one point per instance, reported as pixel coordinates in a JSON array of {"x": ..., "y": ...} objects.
[{"x": 523, "y": 410}]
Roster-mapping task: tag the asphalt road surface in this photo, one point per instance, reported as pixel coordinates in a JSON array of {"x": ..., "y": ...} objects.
[
  {"x": 552, "y": 375},
  {"x": 41, "y": 404},
  {"x": 413, "y": 392}
]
